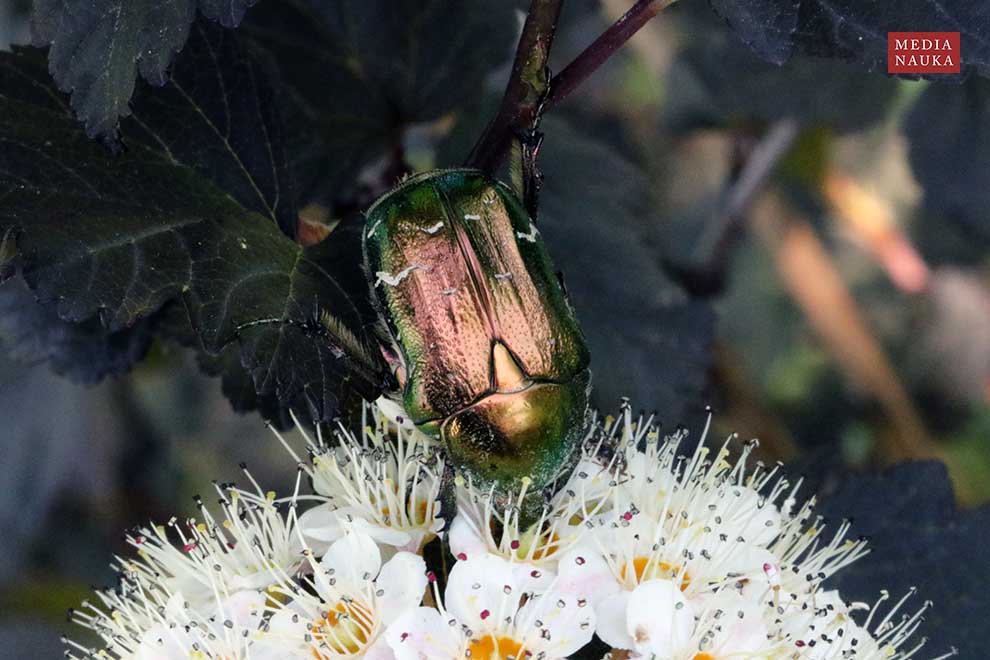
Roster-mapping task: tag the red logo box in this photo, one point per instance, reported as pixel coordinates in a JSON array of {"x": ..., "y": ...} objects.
[{"x": 922, "y": 52}]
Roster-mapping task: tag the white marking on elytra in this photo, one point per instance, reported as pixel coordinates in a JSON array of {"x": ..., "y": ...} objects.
[
  {"x": 432, "y": 229},
  {"x": 531, "y": 235},
  {"x": 472, "y": 216},
  {"x": 372, "y": 228},
  {"x": 384, "y": 277},
  {"x": 450, "y": 292},
  {"x": 503, "y": 276}
]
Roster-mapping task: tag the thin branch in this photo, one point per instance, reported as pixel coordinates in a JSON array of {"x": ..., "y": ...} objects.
[
  {"x": 528, "y": 85},
  {"x": 603, "y": 48},
  {"x": 526, "y": 88},
  {"x": 704, "y": 272},
  {"x": 760, "y": 164}
]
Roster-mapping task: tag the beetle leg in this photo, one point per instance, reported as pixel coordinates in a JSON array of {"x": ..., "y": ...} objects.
[
  {"x": 532, "y": 177},
  {"x": 530, "y": 141},
  {"x": 563, "y": 284},
  {"x": 448, "y": 496}
]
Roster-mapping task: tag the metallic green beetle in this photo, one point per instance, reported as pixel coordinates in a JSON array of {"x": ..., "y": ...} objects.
[{"x": 487, "y": 351}]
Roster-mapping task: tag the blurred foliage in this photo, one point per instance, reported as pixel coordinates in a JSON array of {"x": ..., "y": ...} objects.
[{"x": 639, "y": 166}]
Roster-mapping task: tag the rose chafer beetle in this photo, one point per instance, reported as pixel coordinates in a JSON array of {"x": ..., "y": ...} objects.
[{"x": 485, "y": 346}]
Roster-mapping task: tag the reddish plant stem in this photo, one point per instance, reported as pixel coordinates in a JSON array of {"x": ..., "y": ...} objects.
[
  {"x": 526, "y": 88},
  {"x": 603, "y": 48},
  {"x": 527, "y": 84}
]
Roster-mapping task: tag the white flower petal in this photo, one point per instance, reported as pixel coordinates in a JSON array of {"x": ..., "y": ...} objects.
[
  {"x": 560, "y": 626},
  {"x": 325, "y": 524},
  {"x": 354, "y": 560},
  {"x": 393, "y": 412},
  {"x": 164, "y": 643},
  {"x": 584, "y": 573},
  {"x": 532, "y": 578},
  {"x": 260, "y": 580},
  {"x": 659, "y": 618},
  {"x": 385, "y": 535},
  {"x": 464, "y": 541},
  {"x": 610, "y": 623},
  {"x": 379, "y": 650},
  {"x": 424, "y": 633},
  {"x": 481, "y": 590},
  {"x": 741, "y": 508},
  {"x": 288, "y": 622},
  {"x": 244, "y": 609},
  {"x": 321, "y": 523},
  {"x": 740, "y": 630},
  {"x": 414, "y": 539},
  {"x": 402, "y": 582},
  {"x": 749, "y": 561}
]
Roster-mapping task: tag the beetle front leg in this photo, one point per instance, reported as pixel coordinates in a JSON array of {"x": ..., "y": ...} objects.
[
  {"x": 530, "y": 141},
  {"x": 532, "y": 178}
]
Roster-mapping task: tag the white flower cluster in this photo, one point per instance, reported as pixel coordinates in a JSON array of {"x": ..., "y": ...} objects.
[{"x": 659, "y": 555}]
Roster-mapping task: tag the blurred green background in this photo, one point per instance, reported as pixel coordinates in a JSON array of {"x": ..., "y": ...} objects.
[{"x": 842, "y": 316}]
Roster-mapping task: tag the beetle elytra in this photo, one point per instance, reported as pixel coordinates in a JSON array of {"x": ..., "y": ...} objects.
[{"x": 486, "y": 348}]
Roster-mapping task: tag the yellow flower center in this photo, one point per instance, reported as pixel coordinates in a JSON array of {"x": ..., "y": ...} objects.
[
  {"x": 415, "y": 510},
  {"x": 545, "y": 547},
  {"x": 645, "y": 569},
  {"x": 704, "y": 656},
  {"x": 492, "y": 648},
  {"x": 346, "y": 629},
  {"x": 542, "y": 543}
]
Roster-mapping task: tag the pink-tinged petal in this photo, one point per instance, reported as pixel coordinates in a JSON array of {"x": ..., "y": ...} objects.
[
  {"x": 659, "y": 619},
  {"x": 584, "y": 573},
  {"x": 532, "y": 578},
  {"x": 413, "y": 542},
  {"x": 424, "y": 633},
  {"x": 401, "y": 583},
  {"x": 741, "y": 631},
  {"x": 610, "y": 624},
  {"x": 558, "y": 625},
  {"x": 479, "y": 590}
]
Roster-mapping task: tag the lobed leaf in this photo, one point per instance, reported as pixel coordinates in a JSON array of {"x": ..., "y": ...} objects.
[
  {"x": 853, "y": 30},
  {"x": 98, "y": 47},
  {"x": 721, "y": 84},
  {"x": 119, "y": 237},
  {"x": 218, "y": 114},
  {"x": 82, "y": 352},
  {"x": 921, "y": 540},
  {"x": 948, "y": 132},
  {"x": 645, "y": 335},
  {"x": 358, "y": 72}
]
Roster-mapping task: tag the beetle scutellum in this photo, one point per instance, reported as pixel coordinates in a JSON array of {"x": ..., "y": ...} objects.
[{"x": 486, "y": 349}]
